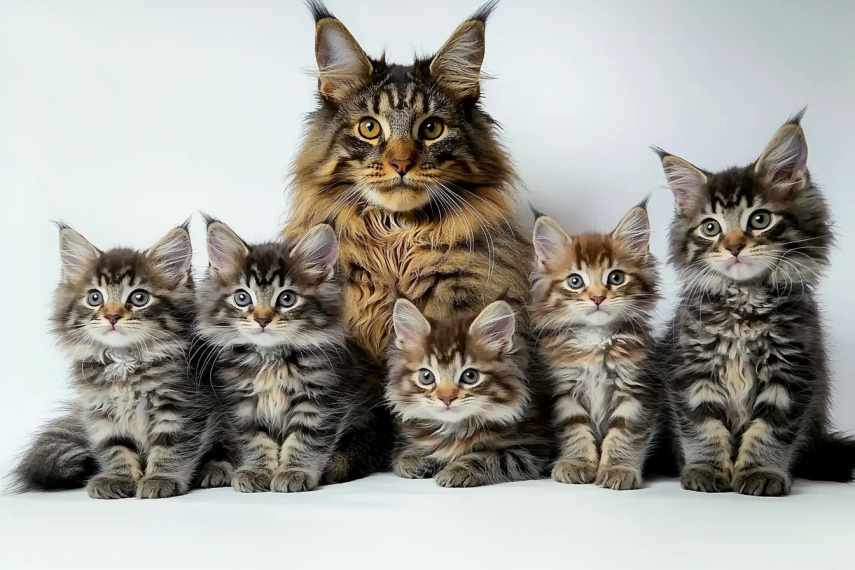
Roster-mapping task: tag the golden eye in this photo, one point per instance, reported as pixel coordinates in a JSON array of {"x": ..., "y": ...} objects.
[
  {"x": 431, "y": 129},
  {"x": 369, "y": 129}
]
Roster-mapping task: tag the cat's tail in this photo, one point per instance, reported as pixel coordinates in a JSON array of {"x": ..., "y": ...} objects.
[
  {"x": 829, "y": 457},
  {"x": 58, "y": 458}
]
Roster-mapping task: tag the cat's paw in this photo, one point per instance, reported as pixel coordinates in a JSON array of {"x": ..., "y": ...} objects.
[
  {"x": 412, "y": 467},
  {"x": 338, "y": 469},
  {"x": 618, "y": 479},
  {"x": 292, "y": 481},
  {"x": 216, "y": 474},
  {"x": 762, "y": 483},
  {"x": 111, "y": 487},
  {"x": 157, "y": 486},
  {"x": 704, "y": 479},
  {"x": 249, "y": 480},
  {"x": 459, "y": 475},
  {"x": 569, "y": 471}
]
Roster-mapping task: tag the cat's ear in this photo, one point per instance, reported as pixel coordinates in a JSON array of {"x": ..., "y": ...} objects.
[
  {"x": 686, "y": 180},
  {"x": 634, "y": 228},
  {"x": 457, "y": 64},
  {"x": 76, "y": 254},
  {"x": 317, "y": 252},
  {"x": 226, "y": 251},
  {"x": 783, "y": 165},
  {"x": 171, "y": 256},
  {"x": 411, "y": 327},
  {"x": 494, "y": 328},
  {"x": 342, "y": 65},
  {"x": 549, "y": 241}
]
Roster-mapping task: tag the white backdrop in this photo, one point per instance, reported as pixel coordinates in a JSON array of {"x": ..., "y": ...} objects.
[{"x": 124, "y": 117}]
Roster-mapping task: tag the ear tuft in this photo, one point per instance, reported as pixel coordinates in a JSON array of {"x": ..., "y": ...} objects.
[
  {"x": 317, "y": 251},
  {"x": 685, "y": 180},
  {"x": 783, "y": 164},
  {"x": 342, "y": 65},
  {"x": 226, "y": 250},
  {"x": 494, "y": 328},
  {"x": 411, "y": 327},
  {"x": 549, "y": 241},
  {"x": 634, "y": 228},
  {"x": 457, "y": 64},
  {"x": 76, "y": 254},
  {"x": 172, "y": 255}
]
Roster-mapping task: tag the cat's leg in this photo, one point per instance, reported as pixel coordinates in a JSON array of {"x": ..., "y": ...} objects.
[
  {"x": 217, "y": 467},
  {"x": 626, "y": 444},
  {"x": 304, "y": 457},
  {"x": 578, "y": 457},
  {"x": 490, "y": 467},
  {"x": 412, "y": 462},
  {"x": 766, "y": 451},
  {"x": 259, "y": 457},
  {"x": 118, "y": 457},
  {"x": 706, "y": 444}
]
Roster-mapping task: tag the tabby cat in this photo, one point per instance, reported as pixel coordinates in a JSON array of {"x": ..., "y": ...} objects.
[
  {"x": 593, "y": 297},
  {"x": 405, "y": 164},
  {"x": 299, "y": 404},
  {"x": 139, "y": 425},
  {"x": 458, "y": 388},
  {"x": 746, "y": 360}
]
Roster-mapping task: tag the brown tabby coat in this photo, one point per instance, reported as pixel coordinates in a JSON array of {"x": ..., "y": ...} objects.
[{"x": 430, "y": 216}]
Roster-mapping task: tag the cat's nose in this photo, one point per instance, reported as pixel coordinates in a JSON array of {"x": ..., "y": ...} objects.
[
  {"x": 447, "y": 400},
  {"x": 401, "y": 165},
  {"x": 113, "y": 318},
  {"x": 597, "y": 299},
  {"x": 736, "y": 248},
  {"x": 263, "y": 321}
]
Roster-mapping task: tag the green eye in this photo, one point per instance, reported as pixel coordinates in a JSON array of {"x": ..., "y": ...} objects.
[
  {"x": 431, "y": 129},
  {"x": 760, "y": 220},
  {"x": 575, "y": 281},
  {"x": 369, "y": 129},
  {"x": 710, "y": 227},
  {"x": 617, "y": 277}
]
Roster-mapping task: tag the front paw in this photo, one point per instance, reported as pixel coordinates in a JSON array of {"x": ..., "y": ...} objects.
[
  {"x": 216, "y": 474},
  {"x": 574, "y": 472},
  {"x": 251, "y": 480},
  {"x": 459, "y": 475},
  {"x": 292, "y": 481},
  {"x": 762, "y": 483},
  {"x": 160, "y": 487},
  {"x": 412, "y": 467},
  {"x": 705, "y": 479},
  {"x": 111, "y": 487},
  {"x": 618, "y": 479}
]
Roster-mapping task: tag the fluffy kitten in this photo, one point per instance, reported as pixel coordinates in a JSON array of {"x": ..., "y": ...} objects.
[
  {"x": 458, "y": 387},
  {"x": 746, "y": 361},
  {"x": 139, "y": 425},
  {"x": 407, "y": 166},
  {"x": 300, "y": 405},
  {"x": 593, "y": 295}
]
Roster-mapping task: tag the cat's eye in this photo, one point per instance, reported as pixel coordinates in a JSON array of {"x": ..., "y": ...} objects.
[
  {"x": 710, "y": 227},
  {"x": 431, "y": 129},
  {"x": 242, "y": 298},
  {"x": 286, "y": 299},
  {"x": 94, "y": 298},
  {"x": 470, "y": 376},
  {"x": 617, "y": 277},
  {"x": 369, "y": 129},
  {"x": 426, "y": 377},
  {"x": 760, "y": 220},
  {"x": 139, "y": 298},
  {"x": 575, "y": 281}
]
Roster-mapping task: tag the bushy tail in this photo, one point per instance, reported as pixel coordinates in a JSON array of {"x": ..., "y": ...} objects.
[
  {"x": 830, "y": 457},
  {"x": 59, "y": 458}
]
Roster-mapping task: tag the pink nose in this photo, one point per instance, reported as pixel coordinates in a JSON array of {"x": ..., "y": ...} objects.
[
  {"x": 113, "y": 318},
  {"x": 598, "y": 299},
  {"x": 263, "y": 322},
  {"x": 401, "y": 166},
  {"x": 447, "y": 401},
  {"x": 736, "y": 248}
]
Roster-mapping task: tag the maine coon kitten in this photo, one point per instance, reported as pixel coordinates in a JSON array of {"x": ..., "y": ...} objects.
[
  {"x": 299, "y": 404},
  {"x": 406, "y": 165},
  {"x": 139, "y": 425},
  {"x": 458, "y": 387},
  {"x": 593, "y": 295},
  {"x": 747, "y": 364}
]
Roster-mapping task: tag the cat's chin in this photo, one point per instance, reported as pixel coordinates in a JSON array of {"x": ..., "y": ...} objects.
[
  {"x": 265, "y": 339},
  {"x": 599, "y": 318},
  {"x": 115, "y": 338},
  {"x": 399, "y": 199},
  {"x": 744, "y": 270}
]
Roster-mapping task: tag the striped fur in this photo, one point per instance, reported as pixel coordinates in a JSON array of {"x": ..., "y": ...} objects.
[
  {"x": 139, "y": 425},
  {"x": 592, "y": 305},
  {"x": 746, "y": 362},
  {"x": 299, "y": 402}
]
